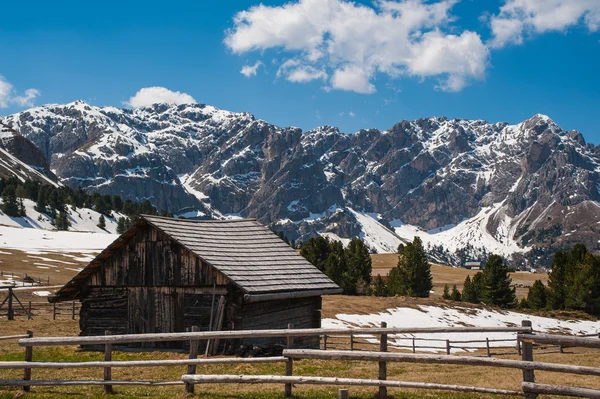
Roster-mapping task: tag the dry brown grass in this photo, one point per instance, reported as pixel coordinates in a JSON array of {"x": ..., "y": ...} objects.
[{"x": 442, "y": 275}]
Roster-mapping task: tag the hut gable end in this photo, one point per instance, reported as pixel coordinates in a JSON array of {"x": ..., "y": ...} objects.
[{"x": 152, "y": 258}]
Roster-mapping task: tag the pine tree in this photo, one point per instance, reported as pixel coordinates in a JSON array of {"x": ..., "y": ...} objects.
[
  {"x": 22, "y": 210},
  {"x": 102, "y": 222},
  {"x": 397, "y": 282},
  {"x": 446, "y": 294},
  {"x": 359, "y": 263},
  {"x": 336, "y": 267},
  {"x": 121, "y": 225},
  {"x": 62, "y": 221},
  {"x": 380, "y": 288},
  {"x": 316, "y": 250},
  {"x": 557, "y": 280},
  {"x": 468, "y": 293},
  {"x": 498, "y": 290},
  {"x": 536, "y": 297},
  {"x": 455, "y": 295},
  {"x": 9, "y": 202}
]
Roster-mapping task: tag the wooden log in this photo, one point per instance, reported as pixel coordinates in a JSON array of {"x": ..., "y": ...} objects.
[
  {"x": 487, "y": 346},
  {"x": 11, "y": 311},
  {"x": 85, "y": 382},
  {"x": 536, "y": 389},
  {"x": 325, "y": 342},
  {"x": 14, "y": 337},
  {"x": 141, "y": 363},
  {"x": 250, "y": 298},
  {"x": 28, "y": 358},
  {"x": 107, "y": 370},
  {"x": 447, "y": 347},
  {"x": 276, "y": 379},
  {"x": 289, "y": 365},
  {"x": 566, "y": 341},
  {"x": 307, "y": 332},
  {"x": 383, "y": 344},
  {"x": 527, "y": 355},
  {"x": 414, "y": 348},
  {"x": 299, "y": 354},
  {"x": 194, "y": 344},
  {"x": 351, "y": 342},
  {"x": 343, "y": 394}
]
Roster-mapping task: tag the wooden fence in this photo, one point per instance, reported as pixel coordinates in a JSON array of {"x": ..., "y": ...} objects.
[
  {"x": 526, "y": 337},
  {"x": 33, "y": 309}
]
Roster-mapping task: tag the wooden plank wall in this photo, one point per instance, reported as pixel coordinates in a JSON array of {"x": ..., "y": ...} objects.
[
  {"x": 151, "y": 258},
  {"x": 301, "y": 312}
]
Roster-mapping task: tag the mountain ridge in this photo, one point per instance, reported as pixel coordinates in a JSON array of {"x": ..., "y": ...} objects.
[{"x": 524, "y": 188}]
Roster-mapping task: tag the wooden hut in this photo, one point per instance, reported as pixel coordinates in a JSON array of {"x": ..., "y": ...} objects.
[{"x": 167, "y": 275}]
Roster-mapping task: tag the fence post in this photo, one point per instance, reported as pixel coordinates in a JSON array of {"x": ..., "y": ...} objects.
[
  {"x": 518, "y": 346},
  {"x": 73, "y": 310},
  {"x": 383, "y": 365},
  {"x": 351, "y": 342},
  {"x": 447, "y": 347},
  {"x": 11, "y": 311},
  {"x": 527, "y": 355},
  {"x": 194, "y": 344},
  {"x": 289, "y": 364},
  {"x": 324, "y": 342},
  {"x": 414, "y": 345},
  {"x": 28, "y": 358},
  {"x": 343, "y": 394},
  {"x": 487, "y": 345},
  {"x": 107, "y": 370},
  {"x": 53, "y": 310},
  {"x": 29, "y": 311}
]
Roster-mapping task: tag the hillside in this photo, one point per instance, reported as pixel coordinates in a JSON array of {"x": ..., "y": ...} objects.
[{"x": 466, "y": 187}]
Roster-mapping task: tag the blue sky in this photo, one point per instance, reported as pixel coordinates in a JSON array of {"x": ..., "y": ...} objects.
[{"x": 317, "y": 62}]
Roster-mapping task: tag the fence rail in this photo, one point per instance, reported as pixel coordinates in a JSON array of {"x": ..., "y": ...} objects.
[{"x": 525, "y": 336}]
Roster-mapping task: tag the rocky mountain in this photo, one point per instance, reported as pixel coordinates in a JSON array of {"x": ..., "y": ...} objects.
[
  {"x": 465, "y": 186},
  {"x": 21, "y": 158}
]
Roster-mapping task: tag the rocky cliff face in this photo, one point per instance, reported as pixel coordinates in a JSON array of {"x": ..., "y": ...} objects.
[
  {"x": 21, "y": 158},
  {"x": 456, "y": 183}
]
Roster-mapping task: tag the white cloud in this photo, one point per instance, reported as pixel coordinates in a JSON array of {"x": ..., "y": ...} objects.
[
  {"x": 154, "y": 95},
  {"x": 518, "y": 18},
  {"x": 250, "y": 70},
  {"x": 349, "y": 43},
  {"x": 352, "y": 114},
  {"x": 7, "y": 95},
  {"x": 294, "y": 71}
]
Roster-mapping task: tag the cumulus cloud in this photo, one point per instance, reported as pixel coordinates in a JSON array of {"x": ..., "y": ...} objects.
[
  {"x": 8, "y": 95},
  {"x": 250, "y": 70},
  {"x": 154, "y": 95},
  {"x": 519, "y": 18},
  {"x": 347, "y": 44}
]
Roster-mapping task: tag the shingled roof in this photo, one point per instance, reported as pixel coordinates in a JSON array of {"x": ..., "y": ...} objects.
[{"x": 246, "y": 252}]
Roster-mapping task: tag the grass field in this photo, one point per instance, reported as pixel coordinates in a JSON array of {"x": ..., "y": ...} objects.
[
  {"x": 462, "y": 375},
  {"x": 442, "y": 275}
]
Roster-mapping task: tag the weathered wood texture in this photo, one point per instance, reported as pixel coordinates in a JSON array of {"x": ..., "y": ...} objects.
[
  {"x": 533, "y": 388},
  {"x": 114, "y": 339},
  {"x": 275, "y": 379},
  {"x": 152, "y": 258}
]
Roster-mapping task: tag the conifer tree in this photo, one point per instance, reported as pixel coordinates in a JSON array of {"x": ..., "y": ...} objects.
[
  {"x": 536, "y": 297},
  {"x": 455, "y": 295},
  {"x": 121, "y": 225},
  {"x": 380, "y": 288},
  {"x": 62, "y": 221},
  {"x": 412, "y": 275},
  {"x": 497, "y": 290},
  {"x": 102, "y": 222},
  {"x": 469, "y": 294},
  {"x": 336, "y": 267},
  {"x": 9, "y": 202},
  {"x": 446, "y": 294},
  {"x": 557, "y": 280},
  {"x": 359, "y": 263},
  {"x": 22, "y": 210},
  {"x": 40, "y": 204},
  {"x": 316, "y": 250}
]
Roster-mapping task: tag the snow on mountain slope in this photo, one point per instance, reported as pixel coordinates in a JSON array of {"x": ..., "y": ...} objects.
[
  {"x": 433, "y": 316},
  {"x": 36, "y": 232},
  {"x": 375, "y": 235}
]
